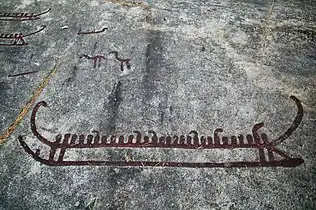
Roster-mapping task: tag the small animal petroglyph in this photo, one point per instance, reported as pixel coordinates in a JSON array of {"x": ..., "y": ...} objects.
[
  {"x": 96, "y": 59},
  {"x": 21, "y": 74},
  {"x": 122, "y": 61}
]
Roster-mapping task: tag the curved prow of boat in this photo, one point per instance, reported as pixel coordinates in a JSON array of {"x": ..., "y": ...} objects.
[
  {"x": 297, "y": 121},
  {"x": 35, "y": 32},
  {"x": 42, "y": 13},
  {"x": 35, "y": 155},
  {"x": 33, "y": 124}
]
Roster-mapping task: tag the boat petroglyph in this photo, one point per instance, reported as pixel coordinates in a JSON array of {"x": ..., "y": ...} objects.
[
  {"x": 18, "y": 16},
  {"x": 17, "y": 39},
  {"x": 192, "y": 140}
]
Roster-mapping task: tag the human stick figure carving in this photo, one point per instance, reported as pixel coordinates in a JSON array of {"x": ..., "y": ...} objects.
[{"x": 17, "y": 38}]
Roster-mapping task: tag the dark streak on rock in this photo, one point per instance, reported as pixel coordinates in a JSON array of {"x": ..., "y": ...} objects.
[
  {"x": 4, "y": 88},
  {"x": 171, "y": 109},
  {"x": 115, "y": 99},
  {"x": 31, "y": 57},
  {"x": 161, "y": 113},
  {"x": 154, "y": 60},
  {"x": 95, "y": 45},
  {"x": 72, "y": 77}
]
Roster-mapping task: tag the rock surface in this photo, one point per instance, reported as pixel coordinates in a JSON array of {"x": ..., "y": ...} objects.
[{"x": 194, "y": 65}]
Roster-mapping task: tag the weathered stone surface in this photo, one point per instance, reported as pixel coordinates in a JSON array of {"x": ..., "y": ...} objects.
[{"x": 196, "y": 65}]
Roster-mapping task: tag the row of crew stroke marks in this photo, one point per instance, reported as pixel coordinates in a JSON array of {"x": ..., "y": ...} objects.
[
  {"x": 17, "y": 39},
  {"x": 190, "y": 141},
  {"x": 98, "y": 58},
  {"x": 19, "y": 16}
]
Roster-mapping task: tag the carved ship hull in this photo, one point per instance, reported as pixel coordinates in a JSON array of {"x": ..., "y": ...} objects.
[
  {"x": 189, "y": 141},
  {"x": 21, "y": 16},
  {"x": 17, "y": 39}
]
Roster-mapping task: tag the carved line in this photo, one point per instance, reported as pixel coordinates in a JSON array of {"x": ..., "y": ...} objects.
[
  {"x": 128, "y": 3},
  {"x": 20, "y": 74},
  {"x": 297, "y": 121},
  {"x": 43, "y": 27}
]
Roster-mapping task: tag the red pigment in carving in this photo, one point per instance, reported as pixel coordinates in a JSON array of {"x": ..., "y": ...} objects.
[
  {"x": 21, "y": 16},
  {"x": 122, "y": 61},
  {"x": 184, "y": 141},
  {"x": 96, "y": 59},
  {"x": 17, "y": 38},
  {"x": 91, "y": 32}
]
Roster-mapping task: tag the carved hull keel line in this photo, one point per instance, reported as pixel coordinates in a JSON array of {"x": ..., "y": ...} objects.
[{"x": 266, "y": 149}]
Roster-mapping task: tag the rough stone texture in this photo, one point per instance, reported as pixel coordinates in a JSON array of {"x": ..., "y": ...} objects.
[{"x": 196, "y": 65}]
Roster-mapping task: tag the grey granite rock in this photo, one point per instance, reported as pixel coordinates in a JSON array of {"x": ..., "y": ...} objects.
[{"x": 195, "y": 65}]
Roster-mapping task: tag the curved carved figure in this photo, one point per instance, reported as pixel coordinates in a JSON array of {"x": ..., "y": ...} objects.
[
  {"x": 295, "y": 124},
  {"x": 192, "y": 140},
  {"x": 122, "y": 61},
  {"x": 96, "y": 59},
  {"x": 21, "y": 16},
  {"x": 91, "y": 32}
]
